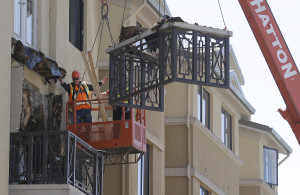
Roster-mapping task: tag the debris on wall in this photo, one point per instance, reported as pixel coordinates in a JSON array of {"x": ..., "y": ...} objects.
[
  {"x": 34, "y": 112},
  {"x": 167, "y": 19},
  {"x": 26, "y": 110},
  {"x": 39, "y": 112},
  {"x": 36, "y": 121},
  {"x": 32, "y": 115},
  {"x": 55, "y": 106},
  {"x": 57, "y": 109},
  {"x": 130, "y": 31},
  {"x": 36, "y": 60}
]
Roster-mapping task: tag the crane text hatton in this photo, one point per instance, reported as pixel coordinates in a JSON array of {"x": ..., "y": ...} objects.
[{"x": 281, "y": 54}]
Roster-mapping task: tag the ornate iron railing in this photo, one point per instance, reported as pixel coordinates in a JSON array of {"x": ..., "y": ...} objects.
[
  {"x": 55, "y": 157},
  {"x": 177, "y": 52}
]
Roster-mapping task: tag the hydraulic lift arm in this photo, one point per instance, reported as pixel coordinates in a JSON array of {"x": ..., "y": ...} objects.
[{"x": 278, "y": 57}]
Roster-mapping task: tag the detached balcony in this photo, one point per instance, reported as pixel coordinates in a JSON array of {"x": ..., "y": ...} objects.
[
  {"x": 55, "y": 157},
  {"x": 140, "y": 66}
]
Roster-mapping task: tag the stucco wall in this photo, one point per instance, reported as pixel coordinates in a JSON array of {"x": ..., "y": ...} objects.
[
  {"x": 6, "y": 32},
  {"x": 176, "y": 100},
  {"x": 112, "y": 183},
  {"x": 249, "y": 190},
  {"x": 176, "y": 146},
  {"x": 213, "y": 160},
  {"x": 250, "y": 154},
  {"x": 115, "y": 14},
  {"x": 224, "y": 98},
  {"x": 65, "y": 54},
  {"x": 17, "y": 74},
  {"x": 176, "y": 186},
  {"x": 157, "y": 167},
  {"x": 155, "y": 128},
  {"x": 43, "y": 26}
]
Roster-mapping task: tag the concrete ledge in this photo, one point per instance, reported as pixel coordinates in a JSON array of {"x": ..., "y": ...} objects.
[
  {"x": 193, "y": 172},
  {"x": 258, "y": 183}
]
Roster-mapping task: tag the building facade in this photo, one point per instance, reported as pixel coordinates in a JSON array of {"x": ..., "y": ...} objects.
[{"x": 202, "y": 143}]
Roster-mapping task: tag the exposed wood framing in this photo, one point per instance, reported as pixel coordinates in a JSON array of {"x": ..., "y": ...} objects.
[{"x": 89, "y": 65}]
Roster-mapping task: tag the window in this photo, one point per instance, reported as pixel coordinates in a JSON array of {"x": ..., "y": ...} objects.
[
  {"x": 204, "y": 106},
  {"x": 25, "y": 21},
  {"x": 271, "y": 166},
  {"x": 226, "y": 131},
  {"x": 203, "y": 191},
  {"x": 143, "y": 174},
  {"x": 76, "y": 23}
]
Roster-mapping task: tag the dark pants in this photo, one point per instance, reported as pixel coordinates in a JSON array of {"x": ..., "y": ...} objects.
[
  {"x": 117, "y": 113},
  {"x": 83, "y": 115}
]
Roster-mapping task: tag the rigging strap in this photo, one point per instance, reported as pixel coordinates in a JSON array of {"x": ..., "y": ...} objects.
[{"x": 124, "y": 12}]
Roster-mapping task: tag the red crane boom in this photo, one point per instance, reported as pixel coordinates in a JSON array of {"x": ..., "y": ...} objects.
[{"x": 278, "y": 57}]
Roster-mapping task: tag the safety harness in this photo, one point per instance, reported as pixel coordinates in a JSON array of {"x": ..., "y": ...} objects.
[{"x": 74, "y": 94}]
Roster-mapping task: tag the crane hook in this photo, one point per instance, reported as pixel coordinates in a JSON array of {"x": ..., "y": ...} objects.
[{"x": 104, "y": 10}]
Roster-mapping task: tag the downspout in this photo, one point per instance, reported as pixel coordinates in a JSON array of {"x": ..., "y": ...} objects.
[
  {"x": 189, "y": 140},
  {"x": 136, "y": 11},
  {"x": 284, "y": 159}
]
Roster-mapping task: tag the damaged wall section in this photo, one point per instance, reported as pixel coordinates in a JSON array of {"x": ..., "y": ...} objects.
[{"x": 34, "y": 107}]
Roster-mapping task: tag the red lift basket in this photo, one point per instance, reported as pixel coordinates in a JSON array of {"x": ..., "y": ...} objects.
[{"x": 121, "y": 136}]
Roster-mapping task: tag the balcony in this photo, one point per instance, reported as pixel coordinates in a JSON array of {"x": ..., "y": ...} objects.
[
  {"x": 140, "y": 66},
  {"x": 55, "y": 157}
]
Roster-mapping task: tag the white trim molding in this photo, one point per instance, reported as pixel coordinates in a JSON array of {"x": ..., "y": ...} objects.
[
  {"x": 258, "y": 183},
  {"x": 184, "y": 172}
]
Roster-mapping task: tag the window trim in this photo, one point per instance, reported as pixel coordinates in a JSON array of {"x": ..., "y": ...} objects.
[
  {"x": 23, "y": 29},
  {"x": 140, "y": 177},
  {"x": 205, "y": 191},
  {"x": 268, "y": 148},
  {"x": 144, "y": 169},
  {"x": 224, "y": 130},
  {"x": 201, "y": 91}
]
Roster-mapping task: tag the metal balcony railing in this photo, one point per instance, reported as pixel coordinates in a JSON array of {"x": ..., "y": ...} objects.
[
  {"x": 55, "y": 157},
  {"x": 141, "y": 66}
]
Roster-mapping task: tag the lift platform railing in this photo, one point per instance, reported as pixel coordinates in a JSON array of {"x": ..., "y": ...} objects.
[
  {"x": 118, "y": 138},
  {"x": 55, "y": 157}
]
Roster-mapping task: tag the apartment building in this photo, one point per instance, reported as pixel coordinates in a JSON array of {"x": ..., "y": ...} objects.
[
  {"x": 212, "y": 146},
  {"x": 202, "y": 143}
]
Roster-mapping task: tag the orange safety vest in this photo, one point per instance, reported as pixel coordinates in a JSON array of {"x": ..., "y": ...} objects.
[{"x": 85, "y": 94}]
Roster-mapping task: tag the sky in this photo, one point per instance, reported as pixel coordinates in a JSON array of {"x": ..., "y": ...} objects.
[{"x": 260, "y": 88}]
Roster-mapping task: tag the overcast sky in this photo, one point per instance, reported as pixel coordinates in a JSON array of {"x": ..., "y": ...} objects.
[{"x": 260, "y": 88}]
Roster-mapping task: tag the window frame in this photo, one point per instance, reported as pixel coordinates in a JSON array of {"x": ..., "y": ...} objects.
[
  {"x": 76, "y": 28},
  {"x": 203, "y": 191},
  {"x": 23, "y": 23},
  {"x": 226, "y": 133},
  {"x": 204, "y": 95},
  {"x": 264, "y": 166},
  {"x": 143, "y": 173}
]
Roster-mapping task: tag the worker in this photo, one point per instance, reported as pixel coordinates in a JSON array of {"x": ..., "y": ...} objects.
[
  {"x": 83, "y": 109},
  {"x": 117, "y": 111}
]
